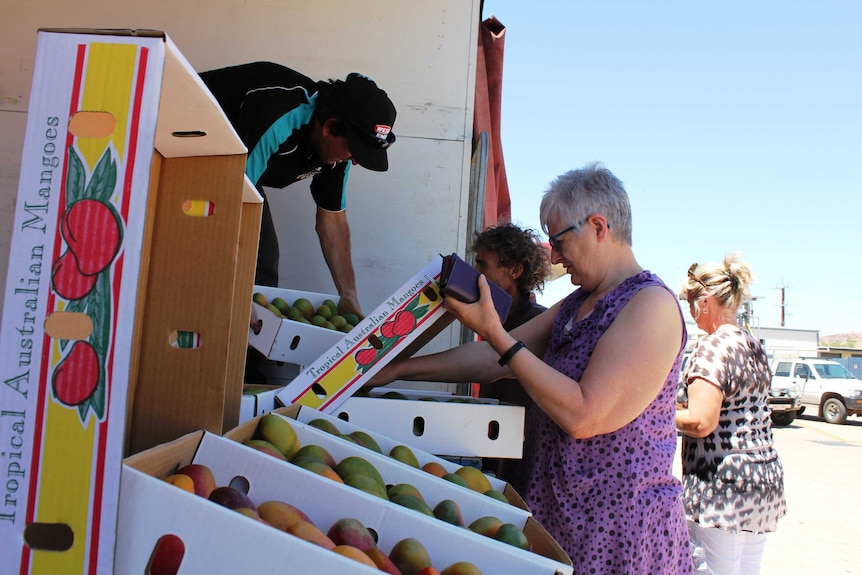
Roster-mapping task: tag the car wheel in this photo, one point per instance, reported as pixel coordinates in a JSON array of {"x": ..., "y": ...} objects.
[
  {"x": 834, "y": 411},
  {"x": 782, "y": 418}
]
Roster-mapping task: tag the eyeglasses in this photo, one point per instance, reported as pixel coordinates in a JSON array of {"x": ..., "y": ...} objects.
[
  {"x": 694, "y": 277},
  {"x": 553, "y": 240}
]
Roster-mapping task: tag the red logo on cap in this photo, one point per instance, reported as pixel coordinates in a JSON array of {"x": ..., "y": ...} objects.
[{"x": 382, "y": 131}]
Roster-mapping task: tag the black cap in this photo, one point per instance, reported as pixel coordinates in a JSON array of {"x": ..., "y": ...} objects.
[{"x": 368, "y": 116}]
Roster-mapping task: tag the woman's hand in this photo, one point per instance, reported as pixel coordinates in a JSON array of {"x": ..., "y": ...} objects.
[{"x": 481, "y": 317}]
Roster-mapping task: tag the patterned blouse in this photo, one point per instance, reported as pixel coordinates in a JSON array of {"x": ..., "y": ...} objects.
[{"x": 733, "y": 478}]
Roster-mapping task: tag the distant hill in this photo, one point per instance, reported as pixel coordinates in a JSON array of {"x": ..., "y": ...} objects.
[{"x": 850, "y": 339}]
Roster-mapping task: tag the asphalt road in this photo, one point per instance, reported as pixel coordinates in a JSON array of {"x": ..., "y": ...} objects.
[{"x": 823, "y": 484}]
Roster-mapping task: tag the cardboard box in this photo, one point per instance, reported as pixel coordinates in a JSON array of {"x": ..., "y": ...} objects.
[
  {"x": 257, "y": 400},
  {"x": 284, "y": 340},
  {"x": 482, "y": 428},
  {"x": 398, "y": 327},
  {"x": 142, "y": 520},
  {"x": 434, "y": 489},
  {"x": 386, "y": 443},
  {"x": 113, "y": 318}
]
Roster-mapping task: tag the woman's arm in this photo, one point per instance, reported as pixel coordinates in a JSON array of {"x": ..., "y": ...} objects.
[{"x": 704, "y": 408}]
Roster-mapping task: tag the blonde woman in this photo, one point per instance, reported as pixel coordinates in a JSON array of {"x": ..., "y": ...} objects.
[{"x": 733, "y": 481}]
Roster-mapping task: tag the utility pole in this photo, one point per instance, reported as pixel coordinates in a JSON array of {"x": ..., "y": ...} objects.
[{"x": 782, "y": 302}]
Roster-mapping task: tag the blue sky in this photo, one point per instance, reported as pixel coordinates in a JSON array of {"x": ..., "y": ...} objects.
[{"x": 735, "y": 126}]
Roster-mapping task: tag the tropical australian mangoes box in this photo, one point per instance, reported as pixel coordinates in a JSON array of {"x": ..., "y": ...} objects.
[
  {"x": 133, "y": 224},
  {"x": 398, "y": 327},
  {"x": 144, "y": 520}
]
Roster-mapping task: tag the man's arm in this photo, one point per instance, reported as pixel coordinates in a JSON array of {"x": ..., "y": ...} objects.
[{"x": 334, "y": 235}]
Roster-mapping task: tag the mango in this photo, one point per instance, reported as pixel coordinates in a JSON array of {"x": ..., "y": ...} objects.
[
  {"x": 382, "y": 561},
  {"x": 251, "y": 513},
  {"x": 476, "y": 480},
  {"x": 324, "y": 311},
  {"x": 404, "y": 488},
  {"x": 350, "y": 438},
  {"x": 365, "y": 483},
  {"x": 394, "y": 395},
  {"x": 309, "y": 532},
  {"x": 279, "y": 432},
  {"x": 266, "y": 447},
  {"x": 295, "y": 315},
  {"x": 435, "y": 468},
  {"x": 412, "y": 502},
  {"x": 350, "y": 531},
  {"x": 498, "y": 495},
  {"x": 338, "y": 321},
  {"x": 449, "y": 511},
  {"x": 331, "y": 305},
  {"x": 513, "y": 535},
  {"x": 280, "y": 514},
  {"x": 487, "y": 525},
  {"x": 404, "y": 454},
  {"x": 456, "y": 479},
  {"x": 365, "y": 440},
  {"x": 315, "y": 452},
  {"x": 351, "y": 318},
  {"x": 429, "y": 571},
  {"x": 318, "y": 467},
  {"x": 461, "y": 568},
  {"x": 355, "y": 554},
  {"x": 231, "y": 497},
  {"x": 274, "y": 310},
  {"x": 182, "y": 481},
  {"x": 304, "y": 306},
  {"x": 410, "y": 556},
  {"x": 167, "y": 555},
  {"x": 355, "y": 464},
  {"x": 282, "y": 305},
  {"x": 345, "y": 328},
  {"x": 317, "y": 320},
  {"x": 202, "y": 476},
  {"x": 324, "y": 425},
  {"x": 259, "y": 299}
]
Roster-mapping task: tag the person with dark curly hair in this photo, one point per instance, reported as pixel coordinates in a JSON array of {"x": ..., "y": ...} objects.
[{"x": 515, "y": 260}]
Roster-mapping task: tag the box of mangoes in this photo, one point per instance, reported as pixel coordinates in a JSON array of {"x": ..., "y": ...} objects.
[
  {"x": 294, "y": 326},
  {"x": 267, "y": 496}
]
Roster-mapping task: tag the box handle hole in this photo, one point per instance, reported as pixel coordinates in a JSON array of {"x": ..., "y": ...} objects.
[
  {"x": 318, "y": 390},
  {"x": 294, "y": 343},
  {"x": 241, "y": 483},
  {"x": 344, "y": 416},
  {"x": 188, "y": 134},
  {"x": 167, "y": 556},
  {"x": 494, "y": 430},
  {"x": 430, "y": 293},
  {"x": 198, "y": 208},
  {"x": 185, "y": 339},
  {"x": 418, "y": 426},
  {"x": 49, "y": 536}
]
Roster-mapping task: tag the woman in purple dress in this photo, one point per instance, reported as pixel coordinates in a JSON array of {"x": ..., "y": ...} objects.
[{"x": 602, "y": 368}]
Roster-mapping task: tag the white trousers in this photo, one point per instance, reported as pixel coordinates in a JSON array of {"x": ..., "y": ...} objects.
[{"x": 717, "y": 552}]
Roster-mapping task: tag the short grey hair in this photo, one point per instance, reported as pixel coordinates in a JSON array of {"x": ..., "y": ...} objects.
[{"x": 592, "y": 189}]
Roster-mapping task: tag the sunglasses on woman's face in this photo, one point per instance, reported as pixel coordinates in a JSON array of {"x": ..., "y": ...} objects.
[{"x": 554, "y": 240}]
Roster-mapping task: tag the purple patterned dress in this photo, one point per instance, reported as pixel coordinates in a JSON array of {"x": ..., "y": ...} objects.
[{"x": 611, "y": 501}]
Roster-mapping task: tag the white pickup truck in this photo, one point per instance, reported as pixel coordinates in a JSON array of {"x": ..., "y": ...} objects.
[{"x": 823, "y": 384}]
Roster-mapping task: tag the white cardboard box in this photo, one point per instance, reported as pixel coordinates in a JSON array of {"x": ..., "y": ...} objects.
[
  {"x": 257, "y": 400},
  {"x": 324, "y": 500},
  {"x": 386, "y": 443},
  {"x": 484, "y": 429},
  {"x": 284, "y": 340}
]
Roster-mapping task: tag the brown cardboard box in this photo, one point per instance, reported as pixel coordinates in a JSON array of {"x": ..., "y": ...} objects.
[{"x": 129, "y": 287}]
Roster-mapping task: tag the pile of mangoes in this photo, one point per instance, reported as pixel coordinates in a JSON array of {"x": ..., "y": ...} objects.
[
  {"x": 325, "y": 315},
  {"x": 275, "y": 436},
  {"x": 347, "y": 536}
]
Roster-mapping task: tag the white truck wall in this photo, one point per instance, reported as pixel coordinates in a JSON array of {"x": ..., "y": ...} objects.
[
  {"x": 786, "y": 343},
  {"x": 422, "y": 53}
]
